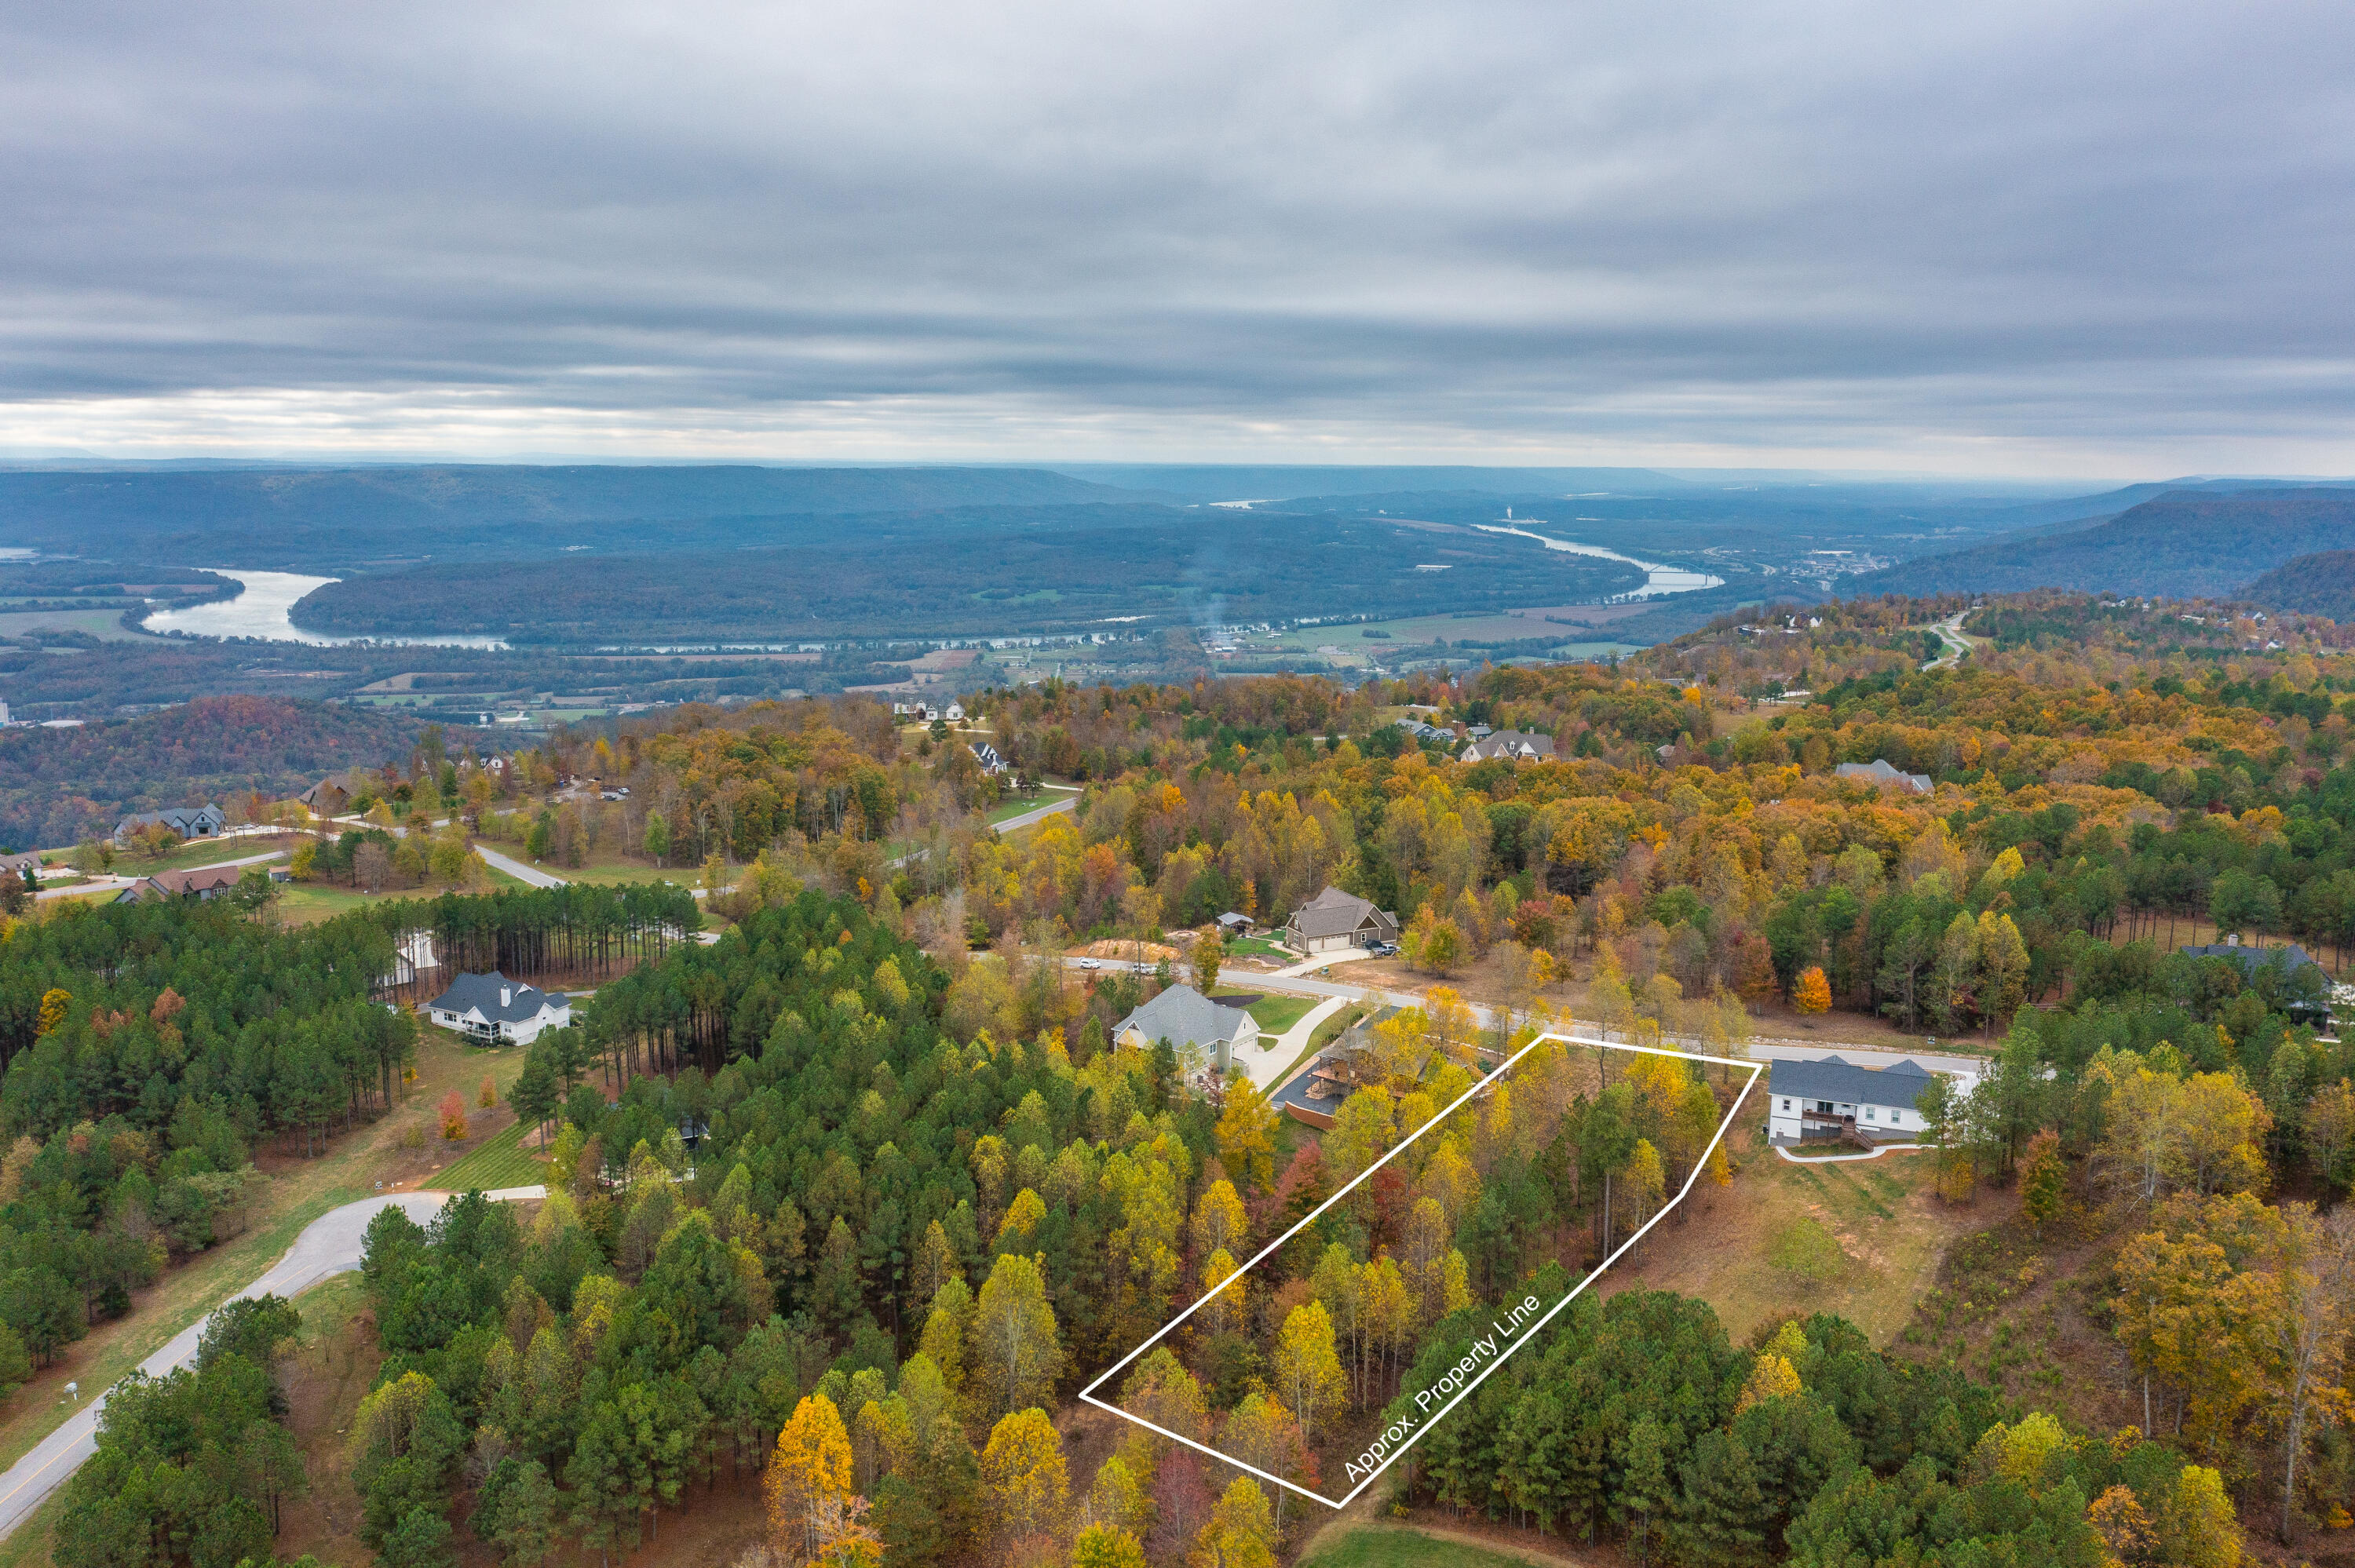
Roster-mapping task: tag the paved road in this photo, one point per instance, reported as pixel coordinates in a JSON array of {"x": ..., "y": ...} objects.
[
  {"x": 113, "y": 883},
  {"x": 328, "y": 1245},
  {"x": 1950, "y": 632},
  {"x": 1033, "y": 818},
  {"x": 530, "y": 876},
  {"x": 1759, "y": 1050}
]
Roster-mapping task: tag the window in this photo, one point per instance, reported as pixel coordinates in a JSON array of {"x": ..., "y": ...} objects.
[
  {"x": 1786, "y": 1105},
  {"x": 1869, "y": 1114}
]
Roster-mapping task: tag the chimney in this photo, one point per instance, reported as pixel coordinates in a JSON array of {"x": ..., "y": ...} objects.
[
  {"x": 2233, "y": 940},
  {"x": 507, "y": 996}
]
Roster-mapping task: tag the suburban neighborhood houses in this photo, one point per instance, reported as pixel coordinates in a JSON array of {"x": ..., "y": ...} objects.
[
  {"x": 494, "y": 1008},
  {"x": 1335, "y": 920},
  {"x": 1879, "y": 772},
  {"x": 188, "y": 822},
  {"x": 1510, "y": 745},
  {"x": 1184, "y": 1017}
]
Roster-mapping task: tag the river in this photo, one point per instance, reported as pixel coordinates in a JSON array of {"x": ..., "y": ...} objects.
[
  {"x": 1657, "y": 579},
  {"x": 261, "y": 610}
]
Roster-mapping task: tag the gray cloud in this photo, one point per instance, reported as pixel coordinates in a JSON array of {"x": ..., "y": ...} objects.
[{"x": 2006, "y": 236}]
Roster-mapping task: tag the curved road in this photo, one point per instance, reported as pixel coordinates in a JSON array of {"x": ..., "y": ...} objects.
[
  {"x": 1967, "y": 1067},
  {"x": 328, "y": 1245}
]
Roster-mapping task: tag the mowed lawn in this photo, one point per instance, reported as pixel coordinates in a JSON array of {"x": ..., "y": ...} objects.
[
  {"x": 1862, "y": 1238},
  {"x": 1393, "y": 1546},
  {"x": 501, "y": 1162},
  {"x": 1277, "y": 1013}
]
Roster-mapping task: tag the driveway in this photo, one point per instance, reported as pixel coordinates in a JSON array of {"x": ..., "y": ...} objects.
[
  {"x": 328, "y": 1245},
  {"x": 1266, "y": 1061},
  {"x": 529, "y": 875}
]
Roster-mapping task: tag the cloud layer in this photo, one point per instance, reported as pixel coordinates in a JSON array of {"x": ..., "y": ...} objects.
[{"x": 2086, "y": 238}]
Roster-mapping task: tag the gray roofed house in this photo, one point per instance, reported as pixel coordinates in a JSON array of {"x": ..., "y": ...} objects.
[
  {"x": 1511, "y": 744},
  {"x": 494, "y": 1008},
  {"x": 2292, "y": 957},
  {"x": 1830, "y": 1097},
  {"x": 1184, "y": 1016},
  {"x": 1335, "y": 920},
  {"x": 1884, "y": 773},
  {"x": 188, "y": 822}
]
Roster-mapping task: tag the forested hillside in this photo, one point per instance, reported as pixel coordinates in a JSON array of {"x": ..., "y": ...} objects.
[
  {"x": 2320, "y": 584},
  {"x": 59, "y": 786},
  {"x": 2184, "y": 544}
]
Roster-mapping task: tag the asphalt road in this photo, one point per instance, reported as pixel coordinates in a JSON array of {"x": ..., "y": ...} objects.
[
  {"x": 108, "y": 884},
  {"x": 529, "y": 875},
  {"x": 328, "y": 1245},
  {"x": 1759, "y": 1051}
]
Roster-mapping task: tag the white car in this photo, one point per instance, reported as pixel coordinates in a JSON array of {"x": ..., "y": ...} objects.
[{"x": 1089, "y": 964}]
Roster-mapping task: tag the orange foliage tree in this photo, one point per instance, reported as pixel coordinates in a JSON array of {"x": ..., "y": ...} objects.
[{"x": 454, "y": 1116}]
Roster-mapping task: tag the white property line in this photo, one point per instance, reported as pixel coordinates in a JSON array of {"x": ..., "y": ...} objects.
[{"x": 1521, "y": 1336}]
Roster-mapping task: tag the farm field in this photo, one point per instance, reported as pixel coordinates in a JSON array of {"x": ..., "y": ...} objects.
[{"x": 106, "y": 625}]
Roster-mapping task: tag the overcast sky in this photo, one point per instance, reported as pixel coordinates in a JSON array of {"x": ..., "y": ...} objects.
[{"x": 2039, "y": 239}]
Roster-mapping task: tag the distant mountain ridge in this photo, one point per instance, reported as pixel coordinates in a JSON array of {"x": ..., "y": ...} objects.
[
  {"x": 2181, "y": 543},
  {"x": 289, "y": 518}
]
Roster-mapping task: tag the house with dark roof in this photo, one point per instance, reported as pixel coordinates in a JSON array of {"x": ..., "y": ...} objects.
[
  {"x": 328, "y": 798},
  {"x": 188, "y": 822},
  {"x": 1334, "y": 920},
  {"x": 1184, "y": 1016},
  {"x": 2308, "y": 1002},
  {"x": 202, "y": 883},
  {"x": 495, "y": 1011},
  {"x": 1511, "y": 745},
  {"x": 1883, "y": 774},
  {"x": 1831, "y": 1099}
]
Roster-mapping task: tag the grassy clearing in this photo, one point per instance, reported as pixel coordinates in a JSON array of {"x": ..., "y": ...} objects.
[
  {"x": 1863, "y": 1239},
  {"x": 1393, "y": 1546},
  {"x": 501, "y": 1162},
  {"x": 308, "y": 903}
]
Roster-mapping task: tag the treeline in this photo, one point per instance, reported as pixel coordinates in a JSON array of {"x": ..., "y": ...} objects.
[
  {"x": 1638, "y": 1419},
  {"x": 195, "y": 1466},
  {"x": 148, "y": 1047}
]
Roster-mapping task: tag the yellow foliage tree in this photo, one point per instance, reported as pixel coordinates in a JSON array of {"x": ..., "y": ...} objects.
[
  {"x": 1811, "y": 993},
  {"x": 1023, "y": 1475},
  {"x": 1246, "y": 1134},
  {"x": 808, "y": 1471},
  {"x": 54, "y": 1004},
  {"x": 1771, "y": 1377},
  {"x": 1307, "y": 1368}
]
